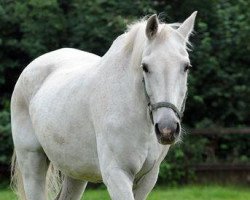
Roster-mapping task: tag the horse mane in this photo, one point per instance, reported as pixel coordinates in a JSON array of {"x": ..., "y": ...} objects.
[{"x": 134, "y": 39}]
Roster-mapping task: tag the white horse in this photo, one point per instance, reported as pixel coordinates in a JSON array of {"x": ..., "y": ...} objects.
[{"x": 104, "y": 119}]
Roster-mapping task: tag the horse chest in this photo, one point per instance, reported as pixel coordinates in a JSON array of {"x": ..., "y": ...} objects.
[{"x": 151, "y": 160}]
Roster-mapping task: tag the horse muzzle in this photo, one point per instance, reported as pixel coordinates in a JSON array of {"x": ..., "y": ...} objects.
[{"x": 167, "y": 132}]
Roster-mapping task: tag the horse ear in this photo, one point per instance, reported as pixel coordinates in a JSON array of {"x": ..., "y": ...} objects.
[
  {"x": 187, "y": 26},
  {"x": 152, "y": 26}
]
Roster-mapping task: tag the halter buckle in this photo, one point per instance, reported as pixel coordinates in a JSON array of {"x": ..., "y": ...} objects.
[{"x": 149, "y": 107}]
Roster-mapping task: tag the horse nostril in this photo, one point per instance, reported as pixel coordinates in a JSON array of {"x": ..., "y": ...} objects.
[
  {"x": 177, "y": 130},
  {"x": 157, "y": 131}
]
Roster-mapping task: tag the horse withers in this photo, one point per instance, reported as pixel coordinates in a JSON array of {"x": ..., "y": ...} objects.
[{"x": 104, "y": 119}]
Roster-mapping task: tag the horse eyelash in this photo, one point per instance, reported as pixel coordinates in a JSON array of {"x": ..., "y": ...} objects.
[{"x": 187, "y": 67}]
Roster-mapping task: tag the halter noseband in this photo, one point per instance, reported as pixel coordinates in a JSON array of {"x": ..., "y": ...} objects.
[{"x": 163, "y": 104}]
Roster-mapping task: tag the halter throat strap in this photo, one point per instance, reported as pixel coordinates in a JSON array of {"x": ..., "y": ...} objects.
[{"x": 153, "y": 107}]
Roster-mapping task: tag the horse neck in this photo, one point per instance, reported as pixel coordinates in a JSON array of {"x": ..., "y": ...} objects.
[{"x": 124, "y": 59}]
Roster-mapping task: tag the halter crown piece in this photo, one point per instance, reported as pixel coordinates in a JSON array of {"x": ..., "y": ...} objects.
[{"x": 162, "y": 104}]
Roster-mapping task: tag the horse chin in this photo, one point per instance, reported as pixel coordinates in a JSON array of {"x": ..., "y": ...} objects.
[{"x": 165, "y": 141}]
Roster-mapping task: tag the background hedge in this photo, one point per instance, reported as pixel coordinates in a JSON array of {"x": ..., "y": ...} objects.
[{"x": 219, "y": 92}]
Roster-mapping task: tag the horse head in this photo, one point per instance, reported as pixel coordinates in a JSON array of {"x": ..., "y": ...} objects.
[{"x": 165, "y": 65}]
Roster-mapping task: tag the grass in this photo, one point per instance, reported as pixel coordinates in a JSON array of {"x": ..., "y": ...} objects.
[{"x": 177, "y": 193}]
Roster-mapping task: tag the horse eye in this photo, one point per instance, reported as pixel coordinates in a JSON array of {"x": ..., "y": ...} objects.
[
  {"x": 145, "y": 68},
  {"x": 187, "y": 67}
]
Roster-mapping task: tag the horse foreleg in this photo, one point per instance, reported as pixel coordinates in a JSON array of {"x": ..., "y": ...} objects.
[
  {"x": 71, "y": 189},
  {"x": 145, "y": 184},
  {"x": 119, "y": 184}
]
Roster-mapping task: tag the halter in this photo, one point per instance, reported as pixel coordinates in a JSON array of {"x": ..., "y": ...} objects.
[{"x": 152, "y": 107}]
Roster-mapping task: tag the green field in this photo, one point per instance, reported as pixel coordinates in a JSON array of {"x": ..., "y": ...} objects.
[{"x": 177, "y": 193}]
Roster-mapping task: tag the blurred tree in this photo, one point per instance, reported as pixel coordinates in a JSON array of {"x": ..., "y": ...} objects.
[{"x": 219, "y": 90}]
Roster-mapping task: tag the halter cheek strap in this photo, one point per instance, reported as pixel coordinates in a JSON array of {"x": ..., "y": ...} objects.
[{"x": 153, "y": 107}]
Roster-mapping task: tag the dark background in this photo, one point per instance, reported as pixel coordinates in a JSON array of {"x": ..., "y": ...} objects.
[{"x": 219, "y": 88}]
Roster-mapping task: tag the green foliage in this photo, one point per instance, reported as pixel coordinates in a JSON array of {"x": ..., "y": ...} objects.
[
  {"x": 219, "y": 90},
  {"x": 177, "y": 166},
  {"x": 5, "y": 138},
  {"x": 101, "y": 22}
]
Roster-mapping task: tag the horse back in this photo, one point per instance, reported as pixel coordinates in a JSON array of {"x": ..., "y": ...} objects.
[{"x": 34, "y": 75}]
